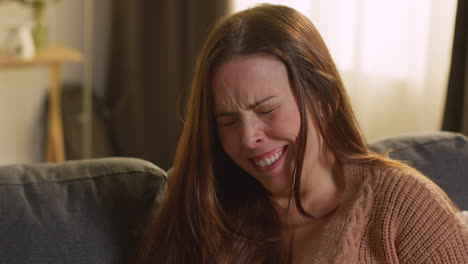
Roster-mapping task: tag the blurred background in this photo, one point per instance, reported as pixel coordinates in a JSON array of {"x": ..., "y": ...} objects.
[{"x": 404, "y": 64}]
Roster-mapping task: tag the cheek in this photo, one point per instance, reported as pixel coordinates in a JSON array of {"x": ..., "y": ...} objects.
[
  {"x": 287, "y": 123},
  {"x": 229, "y": 142}
]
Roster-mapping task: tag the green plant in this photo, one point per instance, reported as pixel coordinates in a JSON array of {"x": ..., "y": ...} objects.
[
  {"x": 30, "y": 2},
  {"x": 38, "y": 31}
]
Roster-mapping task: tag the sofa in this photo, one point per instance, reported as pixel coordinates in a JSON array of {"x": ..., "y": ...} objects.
[{"x": 94, "y": 211}]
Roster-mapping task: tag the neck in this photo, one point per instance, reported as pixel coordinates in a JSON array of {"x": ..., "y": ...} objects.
[{"x": 321, "y": 193}]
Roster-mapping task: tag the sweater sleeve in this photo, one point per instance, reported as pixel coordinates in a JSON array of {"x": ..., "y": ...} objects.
[
  {"x": 453, "y": 250},
  {"x": 429, "y": 231}
]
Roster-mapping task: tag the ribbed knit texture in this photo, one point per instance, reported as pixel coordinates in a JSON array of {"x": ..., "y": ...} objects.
[{"x": 393, "y": 215}]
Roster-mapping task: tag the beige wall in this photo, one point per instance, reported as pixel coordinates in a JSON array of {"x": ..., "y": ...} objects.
[{"x": 23, "y": 90}]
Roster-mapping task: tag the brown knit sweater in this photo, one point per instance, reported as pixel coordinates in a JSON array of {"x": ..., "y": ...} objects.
[{"x": 393, "y": 215}]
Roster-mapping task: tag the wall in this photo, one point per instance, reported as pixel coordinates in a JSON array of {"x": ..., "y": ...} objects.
[{"x": 23, "y": 90}]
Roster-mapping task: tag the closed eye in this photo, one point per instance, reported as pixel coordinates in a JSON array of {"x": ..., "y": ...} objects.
[
  {"x": 266, "y": 109},
  {"x": 229, "y": 123},
  {"x": 267, "y": 106},
  {"x": 226, "y": 120},
  {"x": 266, "y": 112}
]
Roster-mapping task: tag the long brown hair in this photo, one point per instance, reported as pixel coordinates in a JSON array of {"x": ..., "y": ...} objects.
[{"x": 213, "y": 211}]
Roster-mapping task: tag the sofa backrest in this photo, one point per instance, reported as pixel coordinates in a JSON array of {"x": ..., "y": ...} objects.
[
  {"x": 442, "y": 156},
  {"x": 88, "y": 211},
  {"x": 93, "y": 211}
]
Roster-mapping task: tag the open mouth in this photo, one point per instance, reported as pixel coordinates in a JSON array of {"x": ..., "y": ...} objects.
[{"x": 269, "y": 160}]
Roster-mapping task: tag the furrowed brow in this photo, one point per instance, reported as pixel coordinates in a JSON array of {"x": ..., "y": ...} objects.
[{"x": 259, "y": 102}]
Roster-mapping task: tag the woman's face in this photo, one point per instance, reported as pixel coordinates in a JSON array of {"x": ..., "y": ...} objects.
[{"x": 258, "y": 119}]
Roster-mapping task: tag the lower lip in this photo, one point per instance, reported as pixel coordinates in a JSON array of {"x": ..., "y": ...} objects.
[{"x": 272, "y": 166}]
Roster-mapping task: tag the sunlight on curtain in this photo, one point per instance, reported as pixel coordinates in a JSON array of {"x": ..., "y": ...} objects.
[{"x": 394, "y": 57}]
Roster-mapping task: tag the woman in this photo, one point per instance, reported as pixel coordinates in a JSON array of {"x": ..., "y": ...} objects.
[{"x": 271, "y": 166}]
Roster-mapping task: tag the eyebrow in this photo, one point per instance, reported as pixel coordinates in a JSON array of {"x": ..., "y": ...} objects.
[{"x": 251, "y": 106}]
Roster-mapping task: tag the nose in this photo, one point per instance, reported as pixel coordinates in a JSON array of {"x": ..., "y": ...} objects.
[{"x": 251, "y": 134}]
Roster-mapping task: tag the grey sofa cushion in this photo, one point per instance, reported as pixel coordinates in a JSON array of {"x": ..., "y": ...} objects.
[
  {"x": 88, "y": 211},
  {"x": 442, "y": 156}
]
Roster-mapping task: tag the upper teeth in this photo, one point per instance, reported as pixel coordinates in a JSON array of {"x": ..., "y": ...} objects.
[{"x": 268, "y": 160}]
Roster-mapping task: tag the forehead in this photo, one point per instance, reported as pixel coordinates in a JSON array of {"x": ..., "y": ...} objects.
[{"x": 241, "y": 81}]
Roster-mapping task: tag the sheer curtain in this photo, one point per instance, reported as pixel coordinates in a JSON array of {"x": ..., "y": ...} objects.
[{"x": 393, "y": 56}]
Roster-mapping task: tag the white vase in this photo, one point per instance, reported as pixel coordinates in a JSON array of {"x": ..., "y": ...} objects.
[
  {"x": 20, "y": 41},
  {"x": 27, "y": 42}
]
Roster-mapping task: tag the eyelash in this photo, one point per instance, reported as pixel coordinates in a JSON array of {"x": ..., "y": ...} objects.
[
  {"x": 260, "y": 112},
  {"x": 229, "y": 124},
  {"x": 266, "y": 112}
]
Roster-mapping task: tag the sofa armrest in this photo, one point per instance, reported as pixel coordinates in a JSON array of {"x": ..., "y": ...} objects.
[{"x": 87, "y": 211}]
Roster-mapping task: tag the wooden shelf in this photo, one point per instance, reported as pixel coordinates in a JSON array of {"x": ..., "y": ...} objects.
[{"x": 50, "y": 55}]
